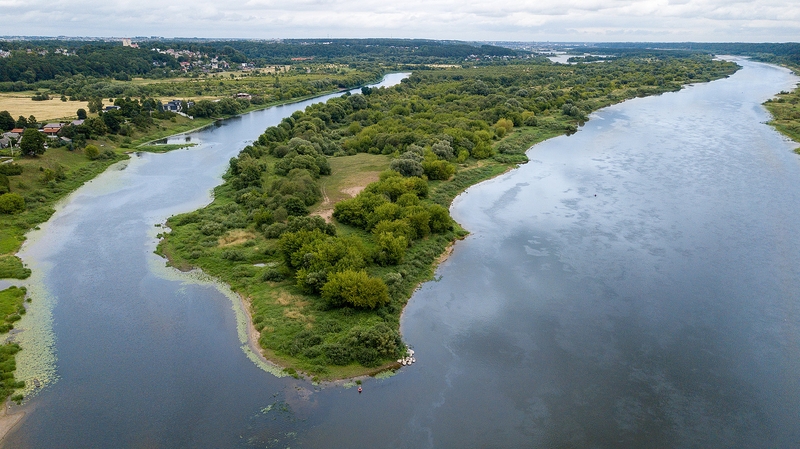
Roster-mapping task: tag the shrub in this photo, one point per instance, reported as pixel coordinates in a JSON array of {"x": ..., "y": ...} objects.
[
  {"x": 407, "y": 167},
  {"x": 273, "y": 275},
  {"x": 337, "y": 354},
  {"x": 443, "y": 150},
  {"x": 11, "y": 203},
  {"x": 91, "y": 151},
  {"x": 274, "y": 230},
  {"x": 10, "y": 169},
  {"x": 442, "y": 170}
]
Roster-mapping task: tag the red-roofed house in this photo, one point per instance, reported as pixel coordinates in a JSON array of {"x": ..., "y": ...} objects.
[{"x": 52, "y": 128}]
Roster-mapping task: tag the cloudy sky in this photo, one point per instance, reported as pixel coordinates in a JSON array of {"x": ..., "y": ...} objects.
[{"x": 519, "y": 20}]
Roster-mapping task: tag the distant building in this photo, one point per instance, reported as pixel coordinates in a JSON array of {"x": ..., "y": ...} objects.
[
  {"x": 244, "y": 95},
  {"x": 111, "y": 108},
  {"x": 173, "y": 106},
  {"x": 52, "y": 129}
]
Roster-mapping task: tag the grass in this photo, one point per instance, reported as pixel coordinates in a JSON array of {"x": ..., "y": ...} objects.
[
  {"x": 349, "y": 174},
  {"x": 12, "y": 306},
  {"x": 11, "y": 267},
  {"x": 163, "y": 148},
  {"x": 20, "y": 103}
]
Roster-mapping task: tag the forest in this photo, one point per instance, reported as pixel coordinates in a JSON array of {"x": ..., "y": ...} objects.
[{"x": 325, "y": 291}]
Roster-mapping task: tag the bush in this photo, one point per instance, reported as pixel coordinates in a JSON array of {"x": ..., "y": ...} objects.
[
  {"x": 442, "y": 170},
  {"x": 355, "y": 288},
  {"x": 5, "y": 186},
  {"x": 407, "y": 167},
  {"x": 337, "y": 354},
  {"x": 91, "y": 152},
  {"x": 274, "y": 230},
  {"x": 11, "y": 203},
  {"x": 273, "y": 275},
  {"x": 10, "y": 169},
  {"x": 443, "y": 150}
]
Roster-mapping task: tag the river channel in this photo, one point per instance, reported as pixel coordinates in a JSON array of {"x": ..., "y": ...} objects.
[{"x": 637, "y": 284}]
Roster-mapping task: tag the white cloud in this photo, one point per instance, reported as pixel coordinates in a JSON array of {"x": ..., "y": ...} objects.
[{"x": 589, "y": 20}]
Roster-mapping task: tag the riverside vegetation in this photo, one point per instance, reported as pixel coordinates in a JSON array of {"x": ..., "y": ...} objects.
[
  {"x": 785, "y": 110},
  {"x": 326, "y": 296}
]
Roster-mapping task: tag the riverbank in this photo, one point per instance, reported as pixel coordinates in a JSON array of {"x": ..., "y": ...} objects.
[
  {"x": 785, "y": 110},
  {"x": 238, "y": 238}
]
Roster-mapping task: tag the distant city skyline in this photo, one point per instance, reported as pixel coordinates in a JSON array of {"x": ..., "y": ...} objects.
[{"x": 544, "y": 20}]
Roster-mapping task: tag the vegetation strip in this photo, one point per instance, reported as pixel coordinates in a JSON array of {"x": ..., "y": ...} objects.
[
  {"x": 326, "y": 297},
  {"x": 785, "y": 110}
]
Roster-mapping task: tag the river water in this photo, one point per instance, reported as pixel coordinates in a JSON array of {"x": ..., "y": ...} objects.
[{"x": 637, "y": 284}]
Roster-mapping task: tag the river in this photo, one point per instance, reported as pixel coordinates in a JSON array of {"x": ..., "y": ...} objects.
[{"x": 637, "y": 284}]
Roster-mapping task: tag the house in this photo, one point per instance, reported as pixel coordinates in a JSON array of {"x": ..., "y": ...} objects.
[
  {"x": 111, "y": 108},
  {"x": 51, "y": 129},
  {"x": 12, "y": 135},
  {"x": 18, "y": 130},
  {"x": 76, "y": 122},
  {"x": 173, "y": 106},
  {"x": 244, "y": 95},
  {"x": 5, "y": 142}
]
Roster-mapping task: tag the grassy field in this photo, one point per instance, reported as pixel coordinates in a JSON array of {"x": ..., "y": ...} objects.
[
  {"x": 20, "y": 103},
  {"x": 349, "y": 175}
]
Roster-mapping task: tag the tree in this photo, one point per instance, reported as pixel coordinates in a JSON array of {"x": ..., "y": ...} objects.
[
  {"x": 32, "y": 142},
  {"x": 6, "y": 121},
  {"x": 355, "y": 288},
  {"x": 81, "y": 114},
  {"x": 22, "y": 122},
  {"x": 32, "y": 122},
  {"x": 95, "y": 105}
]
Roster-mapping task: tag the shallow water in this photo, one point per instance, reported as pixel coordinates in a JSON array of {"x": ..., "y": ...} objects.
[{"x": 637, "y": 284}]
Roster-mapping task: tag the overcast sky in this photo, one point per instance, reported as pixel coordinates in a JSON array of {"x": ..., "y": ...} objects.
[{"x": 529, "y": 20}]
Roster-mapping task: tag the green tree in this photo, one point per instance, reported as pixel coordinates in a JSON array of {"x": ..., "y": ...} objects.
[
  {"x": 32, "y": 142},
  {"x": 391, "y": 249},
  {"x": 6, "y": 121},
  {"x": 355, "y": 288},
  {"x": 95, "y": 105},
  {"x": 81, "y": 114}
]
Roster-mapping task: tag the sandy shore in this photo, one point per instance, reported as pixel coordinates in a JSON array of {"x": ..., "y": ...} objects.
[{"x": 8, "y": 421}]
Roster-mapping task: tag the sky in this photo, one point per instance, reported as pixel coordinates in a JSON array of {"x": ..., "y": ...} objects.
[{"x": 469, "y": 20}]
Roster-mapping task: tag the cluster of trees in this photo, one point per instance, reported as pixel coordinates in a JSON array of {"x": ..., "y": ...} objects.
[
  {"x": 788, "y": 52},
  {"x": 90, "y": 59},
  {"x": 347, "y": 50}
]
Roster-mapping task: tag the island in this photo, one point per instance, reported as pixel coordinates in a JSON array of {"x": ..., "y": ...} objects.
[{"x": 327, "y": 223}]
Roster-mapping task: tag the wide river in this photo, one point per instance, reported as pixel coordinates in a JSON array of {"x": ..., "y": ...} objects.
[{"x": 637, "y": 284}]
